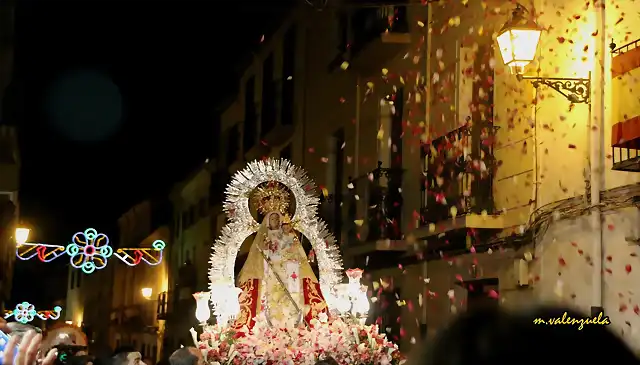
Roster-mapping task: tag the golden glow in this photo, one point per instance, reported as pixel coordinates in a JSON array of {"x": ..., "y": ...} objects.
[
  {"x": 518, "y": 47},
  {"x": 22, "y": 235},
  {"x": 78, "y": 320},
  {"x": 146, "y": 292},
  {"x": 68, "y": 322}
]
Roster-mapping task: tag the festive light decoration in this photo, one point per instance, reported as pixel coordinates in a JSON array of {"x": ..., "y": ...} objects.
[
  {"x": 26, "y": 312},
  {"x": 90, "y": 251},
  {"x": 45, "y": 252},
  {"x": 133, "y": 256},
  {"x": 242, "y": 224}
]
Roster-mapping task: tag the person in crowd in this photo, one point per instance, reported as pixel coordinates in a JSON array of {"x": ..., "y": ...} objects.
[
  {"x": 187, "y": 356},
  {"x": 491, "y": 336},
  {"x": 27, "y": 347},
  {"x": 126, "y": 355}
]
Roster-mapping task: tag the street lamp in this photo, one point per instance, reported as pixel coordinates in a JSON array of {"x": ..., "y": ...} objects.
[
  {"x": 146, "y": 293},
  {"x": 518, "y": 42},
  {"x": 22, "y": 235}
]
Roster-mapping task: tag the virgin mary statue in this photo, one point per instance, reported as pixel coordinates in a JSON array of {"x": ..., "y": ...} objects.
[{"x": 277, "y": 280}]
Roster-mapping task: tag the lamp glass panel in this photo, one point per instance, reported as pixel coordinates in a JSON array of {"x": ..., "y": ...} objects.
[{"x": 525, "y": 45}]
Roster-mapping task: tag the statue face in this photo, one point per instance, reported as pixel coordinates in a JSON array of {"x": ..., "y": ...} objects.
[
  {"x": 274, "y": 221},
  {"x": 286, "y": 228}
]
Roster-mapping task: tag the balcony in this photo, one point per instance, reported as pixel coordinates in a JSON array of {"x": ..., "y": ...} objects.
[
  {"x": 9, "y": 163},
  {"x": 219, "y": 180},
  {"x": 179, "y": 302},
  {"x": 162, "y": 308},
  {"x": 625, "y": 135},
  {"x": 378, "y": 35},
  {"x": 625, "y": 144},
  {"x": 135, "y": 318},
  {"x": 374, "y": 212},
  {"x": 254, "y": 148},
  {"x": 457, "y": 189},
  {"x": 277, "y": 134},
  {"x": 625, "y": 58}
]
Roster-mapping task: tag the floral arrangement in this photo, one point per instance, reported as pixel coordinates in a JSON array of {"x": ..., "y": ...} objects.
[{"x": 347, "y": 343}]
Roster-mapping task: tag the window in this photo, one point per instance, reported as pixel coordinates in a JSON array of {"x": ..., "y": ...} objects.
[
  {"x": 193, "y": 214},
  {"x": 396, "y": 129},
  {"x": 233, "y": 144},
  {"x": 342, "y": 37},
  {"x": 268, "y": 114},
  {"x": 203, "y": 207},
  {"x": 288, "y": 82},
  {"x": 479, "y": 294},
  {"x": 286, "y": 152},
  {"x": 384, "y": 148},
  {"x": 464, "y": 84},
  {"x": 250, "y": 117},
  {"x": 176, "y": 223},
  {"x": 338, "y": 149},
  {"x": 185, "y": 221}
]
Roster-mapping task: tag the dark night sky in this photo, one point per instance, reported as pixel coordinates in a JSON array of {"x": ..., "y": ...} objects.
[{"x": 115, "y": 101}]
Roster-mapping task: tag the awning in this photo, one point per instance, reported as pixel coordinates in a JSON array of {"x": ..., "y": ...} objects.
[{"x": 626, "y": 134}]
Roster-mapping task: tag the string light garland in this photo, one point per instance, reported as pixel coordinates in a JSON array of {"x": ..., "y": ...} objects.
[
  {"x": 26, "y": 312},
  {"x": 242, "y": 224},
  {"x": 90, "y": 251}
]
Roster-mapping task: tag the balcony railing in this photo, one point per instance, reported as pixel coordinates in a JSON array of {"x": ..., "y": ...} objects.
[
  {"x": 179, "y": 302},
  {"x": 327, "y": 211},
  {"x": 135, "y": 317},
  {"x": 369, "y": 23},
  {"x": 458, "y": 176},
  {"x": 217, "y": 186},
  {"x": 163, "y": 305},
  {"x": 375, "y": 205}
]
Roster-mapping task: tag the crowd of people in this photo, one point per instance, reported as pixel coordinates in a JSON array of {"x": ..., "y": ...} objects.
[{"x": 484, "y": 337}]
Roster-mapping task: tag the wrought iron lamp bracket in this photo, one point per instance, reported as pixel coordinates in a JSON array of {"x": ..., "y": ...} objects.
[{"x": 576, "y": 90}]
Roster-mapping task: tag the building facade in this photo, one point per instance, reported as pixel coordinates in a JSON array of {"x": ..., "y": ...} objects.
[
  {"x": 197, "y": 219},
  {"x": 443, "y": 171},
  {"x": 133, "y": 296},
  {"x": 9, "y": 157},
  {"x": 138, "y": 303},
  {"x": 9, "y": 207}
]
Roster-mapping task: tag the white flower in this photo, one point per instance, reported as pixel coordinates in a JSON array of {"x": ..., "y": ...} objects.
[{"x": 323, "y": 317}]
